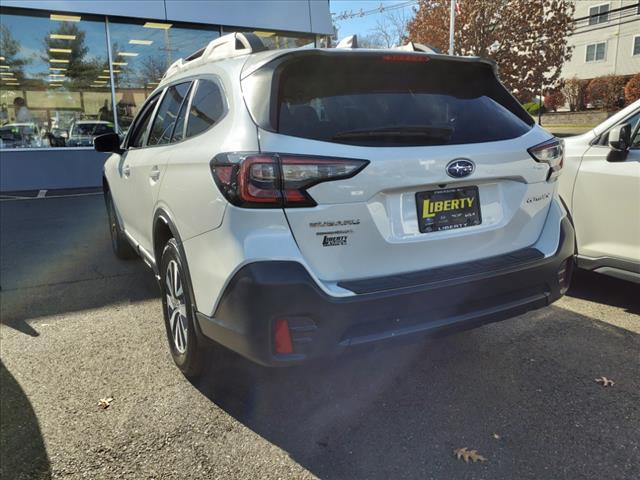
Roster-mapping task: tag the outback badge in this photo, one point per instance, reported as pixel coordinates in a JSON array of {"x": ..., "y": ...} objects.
[{"x": 460, "y": 167}]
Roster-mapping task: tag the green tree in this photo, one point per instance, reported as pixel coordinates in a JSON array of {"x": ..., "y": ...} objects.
[
  {"x": 80, "y": 70},
  {"x": 10, "y": 49}
]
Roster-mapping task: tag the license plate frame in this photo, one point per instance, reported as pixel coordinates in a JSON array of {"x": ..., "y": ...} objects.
[{"x": 458, "y": 207}]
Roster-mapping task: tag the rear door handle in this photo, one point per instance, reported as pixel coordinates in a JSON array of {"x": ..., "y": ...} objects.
[
  {"x": 155, "y": 173},
  {"x": 126, "y": 171}
]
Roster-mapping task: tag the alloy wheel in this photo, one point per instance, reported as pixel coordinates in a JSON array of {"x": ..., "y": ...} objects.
[{"x": 176, "y": 307}]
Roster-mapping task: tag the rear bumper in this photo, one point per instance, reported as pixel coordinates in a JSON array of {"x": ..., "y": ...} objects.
[{"x": 433, "y": 303}]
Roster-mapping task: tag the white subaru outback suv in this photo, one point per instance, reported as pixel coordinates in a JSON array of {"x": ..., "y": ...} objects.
[{"x": 296, "y": 203}]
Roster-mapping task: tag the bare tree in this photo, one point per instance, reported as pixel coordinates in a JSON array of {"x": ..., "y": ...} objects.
[
  {"x": 371, "y": 40},
  {"x": 390, "y": 31}
]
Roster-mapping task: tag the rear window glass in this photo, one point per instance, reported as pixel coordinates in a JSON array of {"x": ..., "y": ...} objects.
[{"x": 378, "y": 100}]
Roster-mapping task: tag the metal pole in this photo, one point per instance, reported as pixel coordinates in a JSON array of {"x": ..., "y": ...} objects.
[
  {"x": 113, "y": 84},
  {"x": 452, "y": 25},
  {"x": 541, "y": 104}
]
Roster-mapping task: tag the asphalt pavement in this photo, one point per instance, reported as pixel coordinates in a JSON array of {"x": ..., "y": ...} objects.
[{"x": 79, "y": 325}]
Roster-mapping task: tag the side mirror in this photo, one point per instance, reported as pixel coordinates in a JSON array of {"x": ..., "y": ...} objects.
[
  {"x": 620, "y": 137},
  {"x": 108, "y": 142}
]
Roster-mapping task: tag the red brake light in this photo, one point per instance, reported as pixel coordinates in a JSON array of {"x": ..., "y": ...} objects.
[
  {"x": 255, "y": 180},
  {"x": 405, "y": 58}
]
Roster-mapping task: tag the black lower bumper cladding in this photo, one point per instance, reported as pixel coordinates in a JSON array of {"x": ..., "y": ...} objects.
[{"x": 423, "y": 303}]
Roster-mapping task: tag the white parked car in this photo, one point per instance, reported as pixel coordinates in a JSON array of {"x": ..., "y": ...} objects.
[
  {"x": 21, "y": 135},
  {"x": 296, "y": 203},
  {"x": 601, "y": 187},
  {"x": 82, "y": 132}
]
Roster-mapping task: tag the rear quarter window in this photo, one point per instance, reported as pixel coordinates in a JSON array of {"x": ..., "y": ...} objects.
[{"x": 207, "y": 107}]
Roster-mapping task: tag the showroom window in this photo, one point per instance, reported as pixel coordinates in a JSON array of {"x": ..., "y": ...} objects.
[
  {"x": 142, "y": 52},
  {"x": 56, "y": 71},
  {"x": 53, "y": 88},
  {"x": 273, "y": 40}
]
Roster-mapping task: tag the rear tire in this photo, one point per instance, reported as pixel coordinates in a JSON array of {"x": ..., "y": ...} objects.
[
  {"x": 177, "y": 300},
  {"x": 119, "y": 243}
]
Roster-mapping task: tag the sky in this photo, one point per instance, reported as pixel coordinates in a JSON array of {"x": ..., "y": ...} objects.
[{"x": 363, "y": 25}]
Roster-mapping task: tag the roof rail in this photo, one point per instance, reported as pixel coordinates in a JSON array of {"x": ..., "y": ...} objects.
[
  {"x": 231, "y": 45},
  {"x": 418, "y": 47}
]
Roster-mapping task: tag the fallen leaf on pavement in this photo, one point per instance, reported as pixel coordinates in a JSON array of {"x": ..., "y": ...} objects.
[
  {"x": 466, "y": 455},
  {"x": 105, "y": 402},
  {"x": 605, "y": 382}
]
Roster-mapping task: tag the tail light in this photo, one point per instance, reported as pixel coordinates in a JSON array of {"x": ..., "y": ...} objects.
[
  {"x": 550, "y": 152},
  {"x": 260, "y": 180}
]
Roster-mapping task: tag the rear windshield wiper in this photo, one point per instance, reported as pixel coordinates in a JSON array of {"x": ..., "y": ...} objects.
[{"x": 405, "y": 132}]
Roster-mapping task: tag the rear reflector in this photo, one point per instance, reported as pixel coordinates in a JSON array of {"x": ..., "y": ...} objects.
[{"x": 282, "y": 337}]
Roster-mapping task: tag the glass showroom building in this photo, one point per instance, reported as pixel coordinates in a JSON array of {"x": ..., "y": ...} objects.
[{"x": 73, "y": 69}]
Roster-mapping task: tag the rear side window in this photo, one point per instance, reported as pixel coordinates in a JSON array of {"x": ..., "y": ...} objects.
[
  {"x": 207, "y": 107},
  {"x": 394, "y": 100},
  {"x": 165, "y": 120}
]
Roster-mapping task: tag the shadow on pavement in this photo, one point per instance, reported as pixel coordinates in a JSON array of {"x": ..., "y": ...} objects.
[
  {"x": 399, "y": 411},
  {"x": 22, "y": 452},
  {"x": 604, "y": 289},
  {"x": 56, "y": 258},
  {"x": 19, "y": 306}
]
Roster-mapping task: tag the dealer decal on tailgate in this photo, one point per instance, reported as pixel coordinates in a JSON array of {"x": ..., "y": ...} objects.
[
  {"x": 430, "y": 208},
  {"x": 448, "y": 209}
]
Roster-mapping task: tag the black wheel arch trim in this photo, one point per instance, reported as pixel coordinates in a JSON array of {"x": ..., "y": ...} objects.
[
  {"x": 161, "y": 215},
  {"x": 570, "y": 217}
]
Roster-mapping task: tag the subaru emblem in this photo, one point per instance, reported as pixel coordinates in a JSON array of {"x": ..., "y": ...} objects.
[{"x": 460, "y": 167}]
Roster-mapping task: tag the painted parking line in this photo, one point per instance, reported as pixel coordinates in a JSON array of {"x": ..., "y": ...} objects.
[{"x": 9, "y": 198}]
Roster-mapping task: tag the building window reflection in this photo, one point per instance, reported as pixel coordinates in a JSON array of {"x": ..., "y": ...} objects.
[
  {"x": 52, "y": 78},
  {"x": 142, "y": 52},
  {"x": 274, "y": 40},
  {"x": 55, "y": 74}
]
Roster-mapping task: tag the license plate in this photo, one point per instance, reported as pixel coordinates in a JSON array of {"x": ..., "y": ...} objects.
[{"x": 448, "y": 209}]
